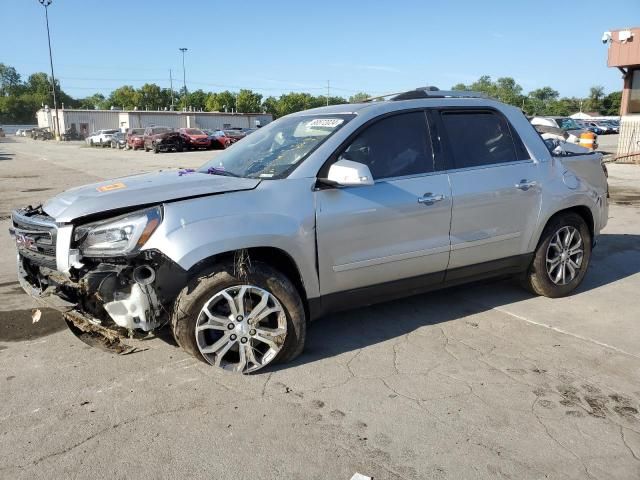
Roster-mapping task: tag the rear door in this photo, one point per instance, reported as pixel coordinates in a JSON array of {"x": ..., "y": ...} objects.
[
  {"x": 394, "y": 230},
  {"x": 495, "y": 187}
]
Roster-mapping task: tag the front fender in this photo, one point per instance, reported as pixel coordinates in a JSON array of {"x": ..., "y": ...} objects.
[{"x": 278, "y": 214}]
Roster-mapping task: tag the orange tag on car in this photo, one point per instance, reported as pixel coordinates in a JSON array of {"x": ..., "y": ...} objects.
[{"x": 113, "y": 186}]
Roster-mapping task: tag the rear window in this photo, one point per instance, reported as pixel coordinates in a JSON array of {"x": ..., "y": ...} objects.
[
  {"x": 193, "y": 131},
  {"x": 136, "y": 131},
  {"x": 480, "y": 138},
  {"x": 158, "y": 130}
]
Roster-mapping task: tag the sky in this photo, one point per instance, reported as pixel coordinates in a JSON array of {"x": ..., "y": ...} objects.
[{"x": 275, "y": 47}]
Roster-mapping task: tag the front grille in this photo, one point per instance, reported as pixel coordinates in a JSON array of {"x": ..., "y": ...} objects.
[{"x": 35, "y": 234}]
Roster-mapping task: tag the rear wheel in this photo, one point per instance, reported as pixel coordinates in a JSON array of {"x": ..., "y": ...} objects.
[
  {"x": 561, "y": 260},
  {"x": 240, "y": 322}
]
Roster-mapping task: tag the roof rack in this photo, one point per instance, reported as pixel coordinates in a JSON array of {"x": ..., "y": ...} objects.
[{"x": 428, "y": 92}]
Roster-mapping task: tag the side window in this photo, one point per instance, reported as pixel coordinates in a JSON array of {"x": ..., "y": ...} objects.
[
  {"x": 394, "y": 146},
  {"x": 481, "y": 138}
]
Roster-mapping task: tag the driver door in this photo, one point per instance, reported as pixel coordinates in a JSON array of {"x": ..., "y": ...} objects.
[{"x": 395, "y": 232}]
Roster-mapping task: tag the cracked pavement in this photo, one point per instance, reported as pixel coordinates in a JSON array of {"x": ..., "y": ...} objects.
[{"x": 478, "y": 381}]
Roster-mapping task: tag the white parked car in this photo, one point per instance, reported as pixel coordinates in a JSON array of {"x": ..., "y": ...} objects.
[
  {"x": 101, "y": 137},
  {"x": 18, "y": 132}
]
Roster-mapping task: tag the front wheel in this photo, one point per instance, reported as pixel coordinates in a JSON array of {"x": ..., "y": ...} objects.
[
  {"x": 240, "y": 321},
  {"x": 561, "y": 260}
]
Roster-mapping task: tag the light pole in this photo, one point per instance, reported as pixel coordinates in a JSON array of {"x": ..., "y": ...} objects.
[
  {"x": 45, "y": 4},
  {"x": 184, "y": 77}
]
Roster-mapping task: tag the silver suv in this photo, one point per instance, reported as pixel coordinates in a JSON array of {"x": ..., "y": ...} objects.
[{"x": 321, "y": 210}]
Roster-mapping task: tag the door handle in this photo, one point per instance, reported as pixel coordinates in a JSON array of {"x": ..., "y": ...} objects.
[
  {"x": 525, "y": 185},
  {"x": 430, "y": 198}
]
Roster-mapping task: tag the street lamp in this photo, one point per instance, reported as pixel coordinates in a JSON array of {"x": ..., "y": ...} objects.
[
  {"x": 45, "y": 4},
  {"x": 184, "y": 77}
]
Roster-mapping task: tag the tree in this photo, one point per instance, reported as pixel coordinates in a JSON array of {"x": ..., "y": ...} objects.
[
  {"x": 248, "y": 101},
  {"x": 359, "y": 97},
  {"x": 151, "y": 97},
  {"x": 538, "y": 101},
  {"x": 9, "y": 80},
  {"x": 270, "y": 105},
  {"x": 544, "y": 94},
  {"x": 221, "y": 102},
  {"x": 125, "y": 97},
  {"x": 198, "y": 100},
  {"x": 97, "y": 101},
  {"x": 594, "y": 102},
  {"x": 459, "y": 86},
  {"x": 611, "y": 103}
]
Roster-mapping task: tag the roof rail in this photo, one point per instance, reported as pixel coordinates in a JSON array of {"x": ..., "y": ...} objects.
[{"x": 428, "y": 92}]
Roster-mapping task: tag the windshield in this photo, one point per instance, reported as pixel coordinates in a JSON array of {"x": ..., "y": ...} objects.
[
  {"x": 193, "y": 131},
  {"x": 568, "y": 124},
  {"x": 276, "y": 149},
  {"x": 137, "y": 131}
]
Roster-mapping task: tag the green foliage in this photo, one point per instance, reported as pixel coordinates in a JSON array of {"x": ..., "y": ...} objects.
[
  {"x": 359, "y": 97},
  {"x": 9, "y": 80},
  {"x": 97, "y": 101},
  {"x": 248, "y": 101},
  {"x": 611, "y": 103},
  {"x": 197, "y": 100},
  {"x": 19, "y": 100},
  {"x": 221, "y": 102}
]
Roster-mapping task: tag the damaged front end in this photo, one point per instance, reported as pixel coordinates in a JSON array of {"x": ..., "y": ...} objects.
[{"x": 96, "y": 273}]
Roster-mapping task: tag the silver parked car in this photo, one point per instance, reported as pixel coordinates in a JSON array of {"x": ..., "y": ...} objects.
[{"x": 321, "y": 210}]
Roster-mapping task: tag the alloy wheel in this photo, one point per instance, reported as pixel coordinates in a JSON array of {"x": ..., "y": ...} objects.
[
  {"x": 241, "y": 328},
  {"x": 564, "y": 255}
]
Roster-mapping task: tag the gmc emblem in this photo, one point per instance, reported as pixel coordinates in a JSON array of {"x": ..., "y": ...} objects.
[{"x": 25, "y": 242}]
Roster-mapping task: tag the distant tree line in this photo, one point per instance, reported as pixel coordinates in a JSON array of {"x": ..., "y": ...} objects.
[{"x": 20, "y": 99}]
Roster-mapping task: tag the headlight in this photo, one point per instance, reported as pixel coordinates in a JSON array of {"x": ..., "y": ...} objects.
[{"x": 117, "y": 236}]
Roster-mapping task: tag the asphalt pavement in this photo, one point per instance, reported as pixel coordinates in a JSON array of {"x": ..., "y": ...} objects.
[{"x": 478, "y": 381}]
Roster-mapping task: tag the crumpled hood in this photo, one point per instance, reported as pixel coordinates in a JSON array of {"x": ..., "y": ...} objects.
[{"x": 144, "y": 189}]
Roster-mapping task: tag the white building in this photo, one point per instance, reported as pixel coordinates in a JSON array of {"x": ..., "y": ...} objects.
[{"x": 87, "y": 121}]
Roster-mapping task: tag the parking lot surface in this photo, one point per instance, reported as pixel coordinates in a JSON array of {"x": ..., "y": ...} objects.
[{"x": 479, "y": 381}]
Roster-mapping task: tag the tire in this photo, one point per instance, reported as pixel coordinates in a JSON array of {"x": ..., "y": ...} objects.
[
  {"x": 156, "y": 149},
  {"x": 260, "y": 276},
  {"x": 91, "y": 142},
  {"x": 538, "y": 279},
  {"x": 146, "y": 149}
]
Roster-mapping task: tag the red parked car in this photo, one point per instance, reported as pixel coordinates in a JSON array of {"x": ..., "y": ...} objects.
[
  {"x": 224, "y": 138},
  {"x": 195, "y": 138},
  {"x": 135, "y": 138}
]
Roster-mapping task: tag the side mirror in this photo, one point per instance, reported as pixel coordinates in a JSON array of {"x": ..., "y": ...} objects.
[{"x": 347, "y": 173}]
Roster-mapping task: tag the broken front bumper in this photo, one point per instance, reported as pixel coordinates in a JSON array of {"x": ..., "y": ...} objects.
[{"x": 106, "y": 296}]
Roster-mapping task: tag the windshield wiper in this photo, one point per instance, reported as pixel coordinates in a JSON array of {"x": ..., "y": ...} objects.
[{"x": 219, "y": 171}]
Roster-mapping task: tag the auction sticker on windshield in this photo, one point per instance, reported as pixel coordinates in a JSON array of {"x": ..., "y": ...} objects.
[{"x": 325, "y": 122}]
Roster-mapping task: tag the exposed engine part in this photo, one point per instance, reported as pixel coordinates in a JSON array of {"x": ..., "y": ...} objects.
[
  {"x": 138, "y": 309},
  {"x": 144, "y": 275}
]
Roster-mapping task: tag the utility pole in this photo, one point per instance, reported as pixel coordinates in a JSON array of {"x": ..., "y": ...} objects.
[
  {"x": 328, "y": 89},
  {"x": 45, "y": 4},
  {"x": 184, "y": 77},
  {"x": 171, "y": 87}
]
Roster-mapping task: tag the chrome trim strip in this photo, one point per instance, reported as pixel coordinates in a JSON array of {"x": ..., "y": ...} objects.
[
  {"x": 492, "y": 165},
  {"x": 484, "y": 241},
  {"x": 388, "y": 259}
]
